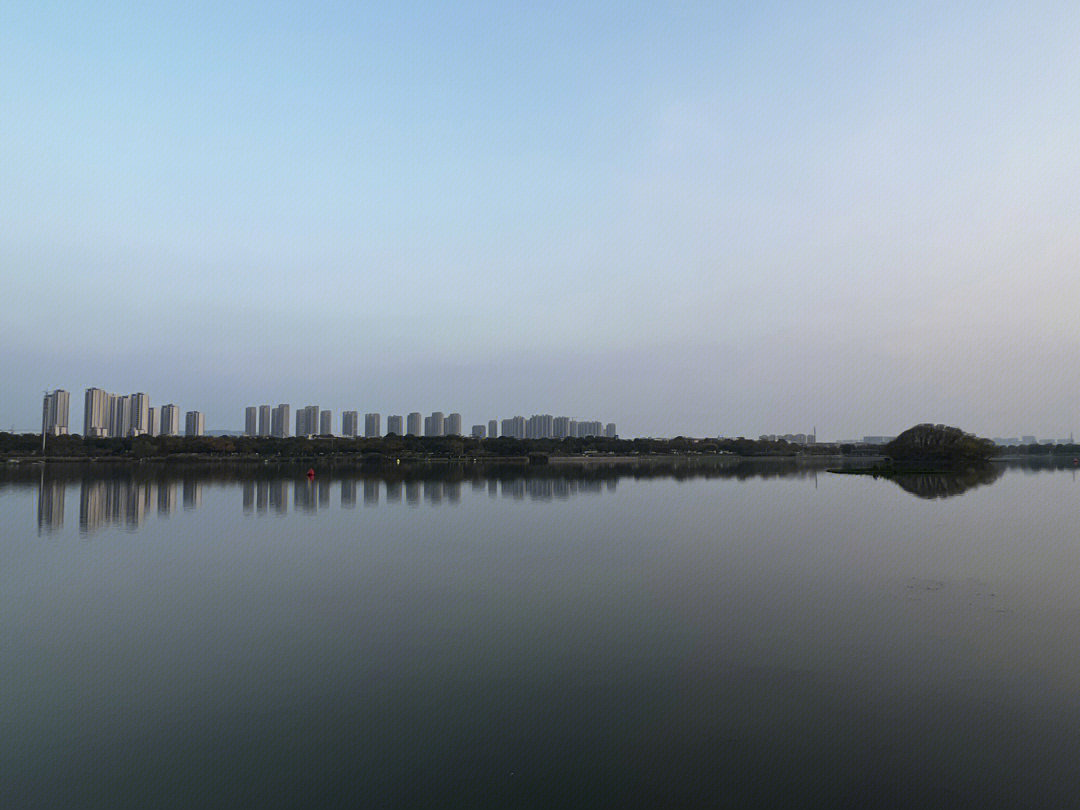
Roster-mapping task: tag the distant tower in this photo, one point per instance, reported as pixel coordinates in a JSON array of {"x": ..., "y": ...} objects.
[
  {"x": 54, "y": 413},
  {"x": 349, "y": 420},
  {"x": 372, "y": 425},
  {"x": 194, "y": 423}
]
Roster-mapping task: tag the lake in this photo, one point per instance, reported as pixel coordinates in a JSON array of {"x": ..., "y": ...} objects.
[{"x": 736, "y": 634}]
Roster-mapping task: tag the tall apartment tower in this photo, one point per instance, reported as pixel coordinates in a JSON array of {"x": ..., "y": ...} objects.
[
  {"x": 279, "y": 421},
  {"x": 560, "y": 427},
  {"x": 372, "y": 427},
  {"x": 452, "y": 426},
  {"x": 264, "y": 420},
  {"x": 54, "y": 413},
  {"x": 119, "y": 415},
  {"x": 251, "y": 420},
  {"x": 493, "y": 428},
  {"x": 609, "y": 431},
  {"x": 349, "y": 422},
  {"x": 170, "y": 420},
  {"x": 539, "y": 426},
  {"x": 96, "y": 413},
  {"x": 326, "y": 423},
  {"x": 393, "y": 425},
  {"x": 434, "y": 426},
  {"x": 194, "y": 423},
  {"x": 412, "y": 428},
  {"x": 140, "y": 414},
  {"x": 478, "y": 431},
  {"x": 155, "y": 422}
]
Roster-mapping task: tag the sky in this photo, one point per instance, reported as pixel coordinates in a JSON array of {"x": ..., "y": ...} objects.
[{"x": 687, "y": 218}]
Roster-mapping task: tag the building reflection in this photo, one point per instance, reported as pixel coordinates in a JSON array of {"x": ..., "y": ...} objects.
[
  {"x": 192, "y": 493},
  {"x": 371, "y": 492},
  {"x": 121, "y": 502},
  {"x": 348, "y": 493},
  {"x": 279, "y": 496},
  {"x": 166, "y": 497},
  {"x": 304, "y": 493},
  {"x": 126, "y": 494},
  {"x": 50, "y": 505},
  {"x": 433, "y": 491},
  {"x": 393, "y": 491}
]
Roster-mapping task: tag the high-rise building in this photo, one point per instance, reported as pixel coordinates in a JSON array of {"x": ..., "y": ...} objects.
[
  {"x": 279, "y": 421},
  {"x": 452, "y": 425},
  {"x": 54, "y": 413},
  {"x": 251, "y": 420},
  {"x": 590, "y": 429},
  {"x": 539, "y": 426},
  {"x": 326, "y": 423},
  {"x": 349, "y": 422},
  {"x": 307, "y": 420},
  {"x": 609, "y": 430},
  {"x": 514, "y": 428},
  {"x": 434, "y": 424},
  {"x": 170, "y": 420},
  {"x": 412, "y": 428},
  {"x": 155, "y": 422},
  {"x": 194, "y": 423},
  {"x": 393, "y": 425},
  {"x": 560, "y": 427},
  {"x": 119, "y": 415},
  {"x": 265, "y": 420},
  {"x": 372, "y": 427},
  {"x": 140, "y": 414},
  {"x": 478, "y": 431},
  {"x": 96, "y": 413},
  {"x": 493, "y": 428}
]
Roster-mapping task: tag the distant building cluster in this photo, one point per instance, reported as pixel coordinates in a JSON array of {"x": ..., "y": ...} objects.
[
  {"x": 1013, "y": 441},
  {"x": 262, "y": 420},
  {"x": 107, "y": 415},
  {"x": 790, "y": 438}
]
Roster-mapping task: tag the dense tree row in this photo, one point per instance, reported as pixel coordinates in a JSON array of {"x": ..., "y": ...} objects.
[
  {"x": 29, "y": 444},
  {"x": 389, "y": 446}
]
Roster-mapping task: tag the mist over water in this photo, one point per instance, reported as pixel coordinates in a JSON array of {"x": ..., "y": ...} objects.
[{"x": 753, "y": 634}]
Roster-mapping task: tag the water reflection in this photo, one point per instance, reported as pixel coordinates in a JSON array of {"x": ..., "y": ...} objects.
[
  {"x": 124, "y": 494},
  {"x": 50, "y": 511},
  {"x": 948, "y": 484}
]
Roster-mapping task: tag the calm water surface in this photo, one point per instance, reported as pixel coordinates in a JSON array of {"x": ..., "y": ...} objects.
[{"x": 758, "y": 636}]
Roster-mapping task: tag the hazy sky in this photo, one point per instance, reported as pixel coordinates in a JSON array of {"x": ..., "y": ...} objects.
[{"x": 698, "y": 218}]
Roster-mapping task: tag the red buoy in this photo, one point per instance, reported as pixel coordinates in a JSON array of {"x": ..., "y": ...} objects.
[{"x": 310, "y": 473}]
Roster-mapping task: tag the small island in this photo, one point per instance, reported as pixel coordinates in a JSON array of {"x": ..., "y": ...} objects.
[
  {"x": 938, "y": 446},
  {"x": 928, "y": 448}
]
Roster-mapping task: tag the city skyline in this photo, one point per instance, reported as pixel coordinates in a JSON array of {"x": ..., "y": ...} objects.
[{"x": 120, "y": 415}]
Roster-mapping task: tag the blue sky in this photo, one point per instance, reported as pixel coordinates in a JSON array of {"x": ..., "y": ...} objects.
[{"x": 698, "y": 218}]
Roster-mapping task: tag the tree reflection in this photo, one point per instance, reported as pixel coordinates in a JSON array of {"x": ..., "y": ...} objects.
[{"x": 947, "y": 483}]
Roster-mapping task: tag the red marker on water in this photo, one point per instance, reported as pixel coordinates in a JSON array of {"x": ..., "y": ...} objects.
[{"x": 310, "y": 473}]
